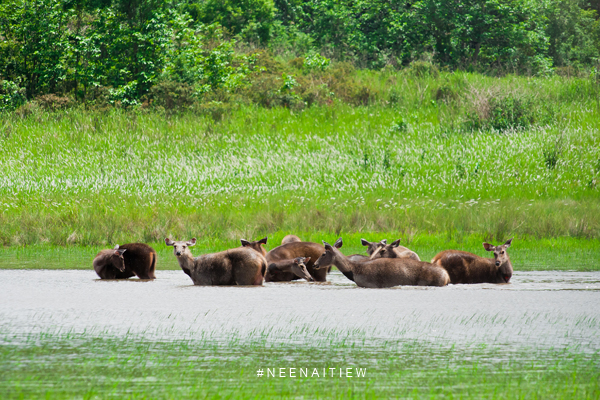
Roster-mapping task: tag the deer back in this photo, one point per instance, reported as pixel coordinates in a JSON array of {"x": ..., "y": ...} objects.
[{"x": 293, "y": 250}]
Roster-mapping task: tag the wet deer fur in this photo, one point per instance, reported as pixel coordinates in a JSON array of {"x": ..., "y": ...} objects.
[
  {"x": 110, "y": 264},
  {"x": 293, "y": 250},
  {"x": 257, "y": 245},
  {"x": 464, "y": 267},
  {"x": 383, "y": 272},
  {"x": 393, "y": 250},
  {"x": 297, "y": 266},
  {"x": 238, "y": 266},
  {"x": 139, "y": 260},
  {"x": 290, "y": 239}
]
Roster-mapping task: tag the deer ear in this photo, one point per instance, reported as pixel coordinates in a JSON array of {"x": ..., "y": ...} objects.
[
  {"x": 488, "y": 247},
  {"x": 244, "y": 242},
  {"x": 263, "y": 240},
  {"x": 364, "y": 242},
  {"x": 508, "y": 242},
  {"x": 116, "y": 247},
  {"x": 327, "y": 245},
  {"x": 384, "y": 241},
  {"x": 191, "y": 242},
  {"x": 396, "y": 243},
  {"x": 169, "y": 242},
  {"x": 306, "y": 259},
  {"x": 338, "y": 243},
  {"x": 121, "y": 251}
]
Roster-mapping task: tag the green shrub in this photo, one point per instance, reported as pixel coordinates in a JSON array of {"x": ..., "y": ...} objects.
[
  {"x": 422, "y": 69},
  {"x": 510, "y": 112},
  {"x": 498, "y": 111},
  {"x": 11, "y": 95},
  {"x": 171, "y": 95}
]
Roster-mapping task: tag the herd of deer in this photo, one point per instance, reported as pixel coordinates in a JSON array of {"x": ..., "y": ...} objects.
[{"x": 386, "y": 265}]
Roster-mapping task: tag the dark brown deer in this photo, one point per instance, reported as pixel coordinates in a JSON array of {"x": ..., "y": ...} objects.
[
  {"x": 464, "y": 267},
  {"x": 394, "y": 250},
  {"x": 239, "y": 266},
  {"x": 258, "y": 245},
  {"x": 372, "y": 246},
  {"x": 383, "y": 272},
  {"x": 297, "y": 266},
  {"x": 139, "y": 260},
  {"x": 110, "y": 264},
  {"x": 290, "y": 239},
  {"x": 293, "y": 250}
]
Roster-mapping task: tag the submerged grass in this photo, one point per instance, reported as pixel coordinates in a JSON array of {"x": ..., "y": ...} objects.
[{"x": 83, "y": 366}]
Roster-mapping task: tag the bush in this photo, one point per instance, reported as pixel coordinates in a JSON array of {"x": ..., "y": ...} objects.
[
  {"x": 422, "y": 69},
  {"x": 171, "y": 95},
  {"x": 11, "y": 95},
  {"x": 499, "y": 111},
  {"x": 52, "y": 102},
  {"x": 510, "y": 112}
]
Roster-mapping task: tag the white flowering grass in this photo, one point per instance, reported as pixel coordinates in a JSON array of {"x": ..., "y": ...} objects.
[{"x": 90, "y": 177}]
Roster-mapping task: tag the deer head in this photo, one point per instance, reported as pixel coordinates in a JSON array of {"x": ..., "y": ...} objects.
[
  {"x": 502, "y": 261},
  {"x": 181, "y": 247}
]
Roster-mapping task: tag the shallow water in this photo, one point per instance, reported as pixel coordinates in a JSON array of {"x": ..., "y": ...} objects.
[{"x": 537, "y": 309}]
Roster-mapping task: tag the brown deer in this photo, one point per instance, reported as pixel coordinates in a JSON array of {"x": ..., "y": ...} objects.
[
  {"x": 393, "y": 250},
  {"x": 372, "y": 246},
  {"x": 110, "y": 264},
  {"x": 258, "y": 245},
  {"x": 296, "y": 266},
  {"x": 383, "y": 272},
  {"x": 466, "y": 267},
  {"x": 239, "y": 266},
  {"x": 290, "y": 239},
  {"x": 293, "y": 250},
  {"x": 139, "y": 260}
]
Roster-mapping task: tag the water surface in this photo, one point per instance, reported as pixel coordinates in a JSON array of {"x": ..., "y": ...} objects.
[{"x": 537, "y": 309}]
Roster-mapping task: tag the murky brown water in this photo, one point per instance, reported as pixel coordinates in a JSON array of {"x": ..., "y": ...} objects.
[{"x": 546, "y": 309}]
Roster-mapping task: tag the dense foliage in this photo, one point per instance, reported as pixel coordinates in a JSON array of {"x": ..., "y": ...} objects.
[{"x": 176, "y": 52}]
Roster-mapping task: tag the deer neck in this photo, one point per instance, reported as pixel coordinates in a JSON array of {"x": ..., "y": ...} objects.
[
  {"x": 104, "y": 259},
  {"x": 186, "y": 261},
  {"x": 343, "y": 263}
]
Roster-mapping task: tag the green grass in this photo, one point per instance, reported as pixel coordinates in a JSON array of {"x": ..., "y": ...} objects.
[
  {"x": 527, "y": 254},
  {"x": 405, "y": 165},
  {"x": 83, "y": 366}
]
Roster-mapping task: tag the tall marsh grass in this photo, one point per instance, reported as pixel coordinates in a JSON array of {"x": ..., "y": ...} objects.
[{"x": 453, "y": 153}]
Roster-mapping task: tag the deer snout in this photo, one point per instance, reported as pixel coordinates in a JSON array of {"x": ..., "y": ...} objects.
[
  {"x": 497, "y": 263},
  {"x": 177, "y": 253}
]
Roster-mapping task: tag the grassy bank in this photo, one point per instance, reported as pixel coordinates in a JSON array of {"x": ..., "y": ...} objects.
[
  {"x": 83, "y": 366},
  {"x": 527, "y": 254},
  {"x": 455, "y": 156}
]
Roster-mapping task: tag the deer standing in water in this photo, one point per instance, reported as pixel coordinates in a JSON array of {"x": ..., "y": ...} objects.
[
  {"x": 464, "y": 267},
  {"x": 393, "y": 250},
  {"x": 297, "y": 266},
  {"x": 292, "y": 250},
  {"x": 383, "y": 272},
  {"x": 110, "y": 264},
  {"x": 258, "y": 245},
  {"x": 239, "y": 266},
  {"x": 138, "y": 259}
]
